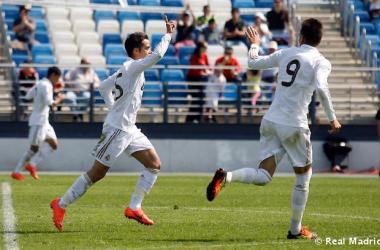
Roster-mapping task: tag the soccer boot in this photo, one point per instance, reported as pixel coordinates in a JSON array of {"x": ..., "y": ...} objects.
[
  {"x": 305, "y": 234},
  {"x": 32, "y": 170},
  {"x": 138, "y": 215},
  {"x": 58, "y": 214},
  {"x": 18, "y": 176},
  {"x": 217, "y": 183}
]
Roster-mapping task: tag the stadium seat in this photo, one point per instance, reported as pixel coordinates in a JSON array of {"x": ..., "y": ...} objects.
[
  {"x": 68, "y": 61},
  {"x": 62, "y": 37},
  {"x": 170, "y": 51},
  {"x": 155, "y": 27},
  {"x": 172, "y": 16},
  {"x": 61, "y": 25},
  {"x": 42, "y": 49},
  {"x": 215, "y": 50},
  {"x": 80, "y": 14},
  {"x": 168, "y": 60},
  {"x": 44, "y": 59},
  {"x": 130, "y": 26},
  {"x": 114, "y": 49},
  {"x": 56, "y": 13},
  {"x": 10, "y": 11},
  {"x": 248, "y": 18},
  {"x": 19, "y": 58},
  {"x": 11, "y": 35},
  {"x": 151, "y": 75},
  {"x": 102, "y": 73},
  {"x": 111, "y": 38},
  {"x": 97, "y": 60},
  {"x": 103, "y": 15},
  {"x": 36, "y": 13},
  {"x": 230, "y": 93},
  {"x": 362, "y": 14},
  {"x": 197, "y": 5},
  {"x": 42, "y": 37},
  {"x": 149, "y": 2},
  {"x": 264, "y": 4},
  {"x": 186, "y": 51},
  {"x": 9, "y": 23},
  {"x": 66, "y": 49},
  {"x": 105, "y": 1},
  {"x": 42, "y": 71},
  {"x": 240, "y": 50},
  {"x": 116, "y": 60},
  {"x": 357, "y": 4},
  {"x": 369, "y": 27},
  {"x": 173, "y": 3},
  {"x": 220, "y": 4},
  {"x": 108, "y": 26},
  {"x": 83, "y": 25},
  {"x": 152, "y": 95},
  {"x": 41, "y": 25},
  {"x": 244, "y": 4},
  {"x": 145, "y": 16},
  {"x": 127, "y": 15},
  {"x": 155, "y": 39},
  {"x": 87, "y": 37},
  {"x": 174, "y": 75},
  {"x": 90, "y": 49},
  {"x": 132, "y": 2}
]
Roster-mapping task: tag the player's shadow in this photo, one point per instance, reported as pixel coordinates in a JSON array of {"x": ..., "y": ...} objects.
[
  {"x": 42, "y": 232},
  {"x": 186, "y": 240}
]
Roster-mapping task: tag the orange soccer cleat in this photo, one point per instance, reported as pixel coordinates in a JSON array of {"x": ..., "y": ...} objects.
[
  {"x": 305, "y": 234},
  {"x": 18, "y": 176},
  {"x": 58, "y": 214},
  {"x": 138, "y": 215},
  {"x": 32, "y": 170},
  {"x": 216, "y": 184}
]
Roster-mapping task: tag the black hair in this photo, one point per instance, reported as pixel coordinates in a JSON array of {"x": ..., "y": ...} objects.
[
  {"x": 133, "y": 41},
  {"x": 197, "y": 50},
  {"x": 54, "y": 70},
  {"x": 212, "y": 20},
  {"x": 312, "y": 31},
  {"x": 185, "y": 15},
  {"x": 228, "y": 48},
  {"x": 234, "y": 9},
  {"x": 206, "y": 6}
]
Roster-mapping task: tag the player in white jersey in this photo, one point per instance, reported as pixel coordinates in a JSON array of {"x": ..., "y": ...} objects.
[
  {"x": 120, "y": 133},
  {"x": 40, "y": 130},
  {"x": 284, "y": 128}
]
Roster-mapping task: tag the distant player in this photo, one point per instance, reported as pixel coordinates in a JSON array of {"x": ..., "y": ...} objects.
[
  {"x": 284, "y": 128},
  {"x": 120, "y": 133},
  {"x": 40, "y": 130}
]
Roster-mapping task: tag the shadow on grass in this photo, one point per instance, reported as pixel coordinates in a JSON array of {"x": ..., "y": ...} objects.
[
  {"x": 186, "y": 240},
  {"x": 43, "y": 232}
]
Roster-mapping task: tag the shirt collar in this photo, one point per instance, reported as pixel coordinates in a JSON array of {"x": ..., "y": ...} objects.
[{"x": 305, "y": 46}]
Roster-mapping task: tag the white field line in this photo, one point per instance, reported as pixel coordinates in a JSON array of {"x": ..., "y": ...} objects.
[{"x": 10, "y": 234}]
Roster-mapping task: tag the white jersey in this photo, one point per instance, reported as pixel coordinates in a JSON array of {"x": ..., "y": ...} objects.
[
  {"x": 301, "y": 71},
  {"x": 42, "y": 95},
  {"x": 128, "y": 83}
]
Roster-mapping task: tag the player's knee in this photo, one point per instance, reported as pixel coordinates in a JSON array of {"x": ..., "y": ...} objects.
[
  {"x": 263, "y": 177},
  {"x": 54, "y": 146},
  {"x": 303, "y": 181},
  {"x": 155, "y": 165}
]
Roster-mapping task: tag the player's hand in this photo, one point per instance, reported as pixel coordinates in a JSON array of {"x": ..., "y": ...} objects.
[
  {"x": 335, "y": 127},
  {"x": 253, "y": 36},
  {"x": 170, "y": 25},
  {"x": 60, "y": 97}
]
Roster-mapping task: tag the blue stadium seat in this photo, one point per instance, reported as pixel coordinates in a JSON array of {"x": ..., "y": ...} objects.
[
  {"x": 149, "y": 2},
  {"x": 116, "y": 60},
  {"x": 264, "y": 4},
  {"x": 369, "y": 28},
  {"x": 127, "y": 15},
  {"x": 9, "y": 23},
  {"x": 152, "y": 94},
  {"x": 103, "y": 15},
  {"x": 174, "y": 75},
  {"x": 248, "y": 18},
  {"x": 168, "y": 60},
  {"x": 114, "y": 50},
  {"x": 186, "y": 51},
  {"x": 36, "y": 13},
  {"x": 362, "y": 14},
  {"x": 132, "y": 2},
  {"x": 42, "y": 37},
  {"x": 357, "y": 4},
  {"x": 172, "y": 16},
  {"x": 105, "y": 1},
  {"x": 373, "y": 38},
  {"x": 375, "y": 49},
  {"x": 102, "y": 73},
  {"x": 151, "y": 75},
  {"x": 111, "y": 38},
  {"x": 173, "y": 3},
  {"x": 41, "y": 25},
  {"x": 42, "y": 49},
  {"x": 42, "y": 71},
  {"x": 230, "y": 94},
  {"x": 44, "y": 59},
  {"x": 156, "y": 39},
  {"x": 170, "y": 51},
  {"x": 145, "y": 16},
  {"x": 244, "y": 4},
  {"x": 11, "y": 34},
  {"x": 19, "y": 58},
  {"x": 11, "y": 11}
]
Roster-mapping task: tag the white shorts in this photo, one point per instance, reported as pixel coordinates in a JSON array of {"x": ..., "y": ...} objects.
[
  {"x": 114, "y": 141},
  {"x": 39, "y": 133},
  {"x": 276, "y": 140}
]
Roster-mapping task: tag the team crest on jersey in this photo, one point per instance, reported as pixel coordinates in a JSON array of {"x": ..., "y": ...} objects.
[
  {"x": 142, "y": 87},
  {"x": 108, "y": 157}
]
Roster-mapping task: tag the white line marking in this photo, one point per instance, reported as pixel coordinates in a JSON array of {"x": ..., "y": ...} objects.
[{"x": 10, "y": 234}]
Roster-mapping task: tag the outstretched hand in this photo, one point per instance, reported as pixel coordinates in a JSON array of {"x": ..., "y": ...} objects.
[
  {"x": 170, "y": 25},
  {"x": 253, "y": 36}
]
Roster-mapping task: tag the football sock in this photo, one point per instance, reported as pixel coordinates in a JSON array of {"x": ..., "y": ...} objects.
[
  {"x": 44, "y": 151},
  {"x": 259, "y": 177},
  {"x": 78, "y": 189},
  {"x": 299, "y": 199},
  {"x": 143, "y": 187},
  {"x": 24, "y": 159}
]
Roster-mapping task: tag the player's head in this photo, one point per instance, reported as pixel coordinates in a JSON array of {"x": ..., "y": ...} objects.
[
  {"x": 53, "y": 74},
  {"x": 311, "y": 32},
  {"x": 137, "y": 45}
]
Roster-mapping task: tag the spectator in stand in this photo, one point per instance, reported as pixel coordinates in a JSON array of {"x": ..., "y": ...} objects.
[
  {"x": 269, "y": 76},
  {"x": 262, "y": 29},
  {"x": 80, "y": 80},
  {"x": 204, "y": 20},
  {"x": 214, "y": 91},
  {"x": 24, "y": 27},
  {"x": 232, "y": 75},
  {"x": 198, "y": 58},
  {"x": 374, "y": 9},
  {"x": 185, "y": 30},
  {"x": 234, "y": 29},
  {"x": 253, "y": 77},
  {"x": 27, "y": 76},
  {"x": 210, "y": 34},
  {"x": 279, "y": 22}
]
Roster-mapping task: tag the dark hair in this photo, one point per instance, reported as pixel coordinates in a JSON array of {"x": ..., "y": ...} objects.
[
  {"x": 228, "y": 48},
  {"x": 28, "y": 61},
  {"x": 185, "y": 15},
  {"x": 206, "y": 6},
  {"x": 312, "y": 31},
  {"x": 133, "y": 41},
  {"x": 212, "y": 20},
  {"x": 54, "y": 70},
  {"x": 234, "y": 9},
  {"x": 197, "y": 50}
]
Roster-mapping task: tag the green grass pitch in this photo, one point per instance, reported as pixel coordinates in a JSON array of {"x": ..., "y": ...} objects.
[{"x": 242, "y": 216}]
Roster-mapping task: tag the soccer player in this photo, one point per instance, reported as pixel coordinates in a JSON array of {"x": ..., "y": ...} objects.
[
  {"x": 284, "y": 128},
  {"x": 40, "y": 130},
  {"x": 120, "y": 133}
]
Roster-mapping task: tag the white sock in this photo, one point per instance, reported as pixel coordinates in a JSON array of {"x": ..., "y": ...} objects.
[
  {"x": 24, "y": 159},
  {"x": 78, "y": 189},
  {"x": 143, "y": 187},
  {"x": 44, "y": 151},
  {"x": 258, "y": 177},
  {"x": 299, "y": 199}
]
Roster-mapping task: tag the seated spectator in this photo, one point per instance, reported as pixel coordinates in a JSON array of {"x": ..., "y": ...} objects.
[
  {"x": 234, "y": 29},
  {"x": 27, "y": 76},
  {"x": 262, "y": 29},
  {"x": 24, "y": 27},
  {"x": 279, "y": 23},
  {"x": 374, "y": 9},
  {"x": 214, "y": 91},
  {"x": 269, "y": 76},
  {"x": 232, "y": 75},
  {"x": 185, "y": 31},
  {"x": 210, "y": 34},
  {"x": 198, "y": 58},
  {"x": 204, "y": 20},
  {"x": 253, "y": 77},
  {"x": 80, "y": 80}
]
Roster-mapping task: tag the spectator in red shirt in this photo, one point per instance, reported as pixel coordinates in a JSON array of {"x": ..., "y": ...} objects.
[
  {"x": 198, "y": 58},
  {"x": 232, "y": 75}
]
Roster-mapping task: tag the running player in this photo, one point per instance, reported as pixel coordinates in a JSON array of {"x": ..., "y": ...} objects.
[
  {"x": 40, "y": 130},
  {"x": 120, "y": 133},
  {"x": 284, "y": 128}
]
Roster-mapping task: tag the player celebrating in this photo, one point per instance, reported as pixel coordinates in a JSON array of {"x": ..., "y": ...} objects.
[
  {"x": 120, "y": 133},
  {"x": 40, "y": 129},
  {"x": 284, "y": 128}
]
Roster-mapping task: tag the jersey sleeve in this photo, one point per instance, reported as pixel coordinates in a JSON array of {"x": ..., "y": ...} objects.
[
  {"x": 262, "y": 62},
  {"x": 47, "y": 93},
  {"x": 138, "y": 66},
  {"x": 105, "y": 89},
  {"x": 320, "y": 81},
  {"x": 31, "y": 93}
]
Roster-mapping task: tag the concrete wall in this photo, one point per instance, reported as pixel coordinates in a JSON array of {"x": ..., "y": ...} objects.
[{"x": 180, "y": 155}]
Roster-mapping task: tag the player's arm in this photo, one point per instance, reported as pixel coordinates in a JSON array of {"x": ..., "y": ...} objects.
[
  {"x": 48, "y": 96},
  {"x": 31, "y": 93},
  {"x": 105, "y": 89},
  {"x": 138, "y": 66},
  {"x": 320, "y": 80},
  {"x": 254, "y": 61}
]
